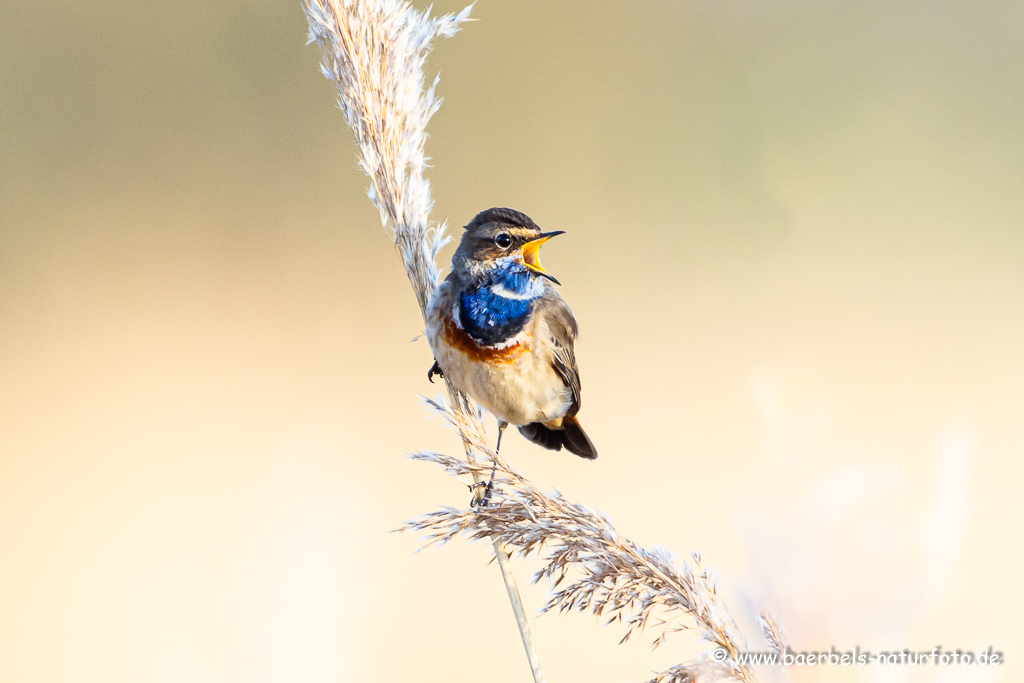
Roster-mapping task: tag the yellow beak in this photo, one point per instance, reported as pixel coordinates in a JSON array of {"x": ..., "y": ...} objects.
[{"x": 531, "y": 254}]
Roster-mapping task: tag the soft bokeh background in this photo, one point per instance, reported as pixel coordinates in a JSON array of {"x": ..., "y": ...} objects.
[{"x": 794, "y": 245}]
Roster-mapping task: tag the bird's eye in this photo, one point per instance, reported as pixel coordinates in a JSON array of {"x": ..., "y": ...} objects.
[{"x": 503, "y": 240}]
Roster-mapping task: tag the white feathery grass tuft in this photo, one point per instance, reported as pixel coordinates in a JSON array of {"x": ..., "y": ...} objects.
[
  {"x": 591, "y": 566},
  {"x": 773, "y": 634},
  {"x": 374, "y": 53}
]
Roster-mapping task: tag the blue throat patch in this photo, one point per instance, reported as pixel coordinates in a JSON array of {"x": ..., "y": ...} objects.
[{"x": 492, "y": 317}]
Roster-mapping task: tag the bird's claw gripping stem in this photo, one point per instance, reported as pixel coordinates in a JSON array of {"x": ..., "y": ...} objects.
[
  {"x": 482, "y": 492},
  {"x": 435, "y": 369}
]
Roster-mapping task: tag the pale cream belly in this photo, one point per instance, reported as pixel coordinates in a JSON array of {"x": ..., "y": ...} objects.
[
  {"x": 516, "y": 384},
  {"x": 519, "y": 393}
]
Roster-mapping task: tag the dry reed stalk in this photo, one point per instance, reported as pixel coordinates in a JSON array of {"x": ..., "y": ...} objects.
[
  {"x": 373, "y": 51},
  {"x": 590, "y": 565},
  {"x": 773, "y": 634}
]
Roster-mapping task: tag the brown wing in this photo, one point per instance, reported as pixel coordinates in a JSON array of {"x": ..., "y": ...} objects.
[{"x": 562, "y": 326}]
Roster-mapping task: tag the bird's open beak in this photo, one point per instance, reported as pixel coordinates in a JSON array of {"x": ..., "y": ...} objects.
[{"x": 531, "y": 254}]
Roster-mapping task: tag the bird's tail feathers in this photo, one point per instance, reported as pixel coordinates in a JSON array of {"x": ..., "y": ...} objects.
[
  {"x": 571, "y": 436},
  {"x": 576, "y": 440}
]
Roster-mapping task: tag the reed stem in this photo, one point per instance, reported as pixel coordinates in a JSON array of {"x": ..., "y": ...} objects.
[{"x": 373, "y": 51}]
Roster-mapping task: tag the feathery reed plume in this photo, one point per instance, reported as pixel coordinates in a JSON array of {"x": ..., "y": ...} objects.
[
  {"x": 374, "y": 51},
  {"x": 612, "y": 576},
  {"x": 773, "y": 634}
]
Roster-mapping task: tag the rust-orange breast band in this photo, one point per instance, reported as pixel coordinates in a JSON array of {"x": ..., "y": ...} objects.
[{"x": 458, "y": 339}]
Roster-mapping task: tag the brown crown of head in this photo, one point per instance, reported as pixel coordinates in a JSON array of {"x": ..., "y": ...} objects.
[{"x": 492, "y": 234}]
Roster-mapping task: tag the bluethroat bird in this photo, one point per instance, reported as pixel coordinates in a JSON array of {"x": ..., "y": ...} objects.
[{"x": 501, "y": 333}]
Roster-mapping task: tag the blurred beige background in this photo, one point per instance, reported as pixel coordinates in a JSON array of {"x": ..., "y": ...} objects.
[{"x": 794, "y": 245}]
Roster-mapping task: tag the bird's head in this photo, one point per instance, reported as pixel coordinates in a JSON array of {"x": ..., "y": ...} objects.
[{"x": 501, "y": 238}]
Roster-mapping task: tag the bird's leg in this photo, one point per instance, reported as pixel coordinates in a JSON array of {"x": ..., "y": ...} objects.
[
  {"x": 435, "y": 369},
  {"x": 480, "y": 494},
  {"x": 501, "y": 430},
  {"x": 486, "y": 497}
]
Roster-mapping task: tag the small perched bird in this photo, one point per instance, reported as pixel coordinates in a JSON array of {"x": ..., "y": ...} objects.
[{"x": 501, "y": 333}]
